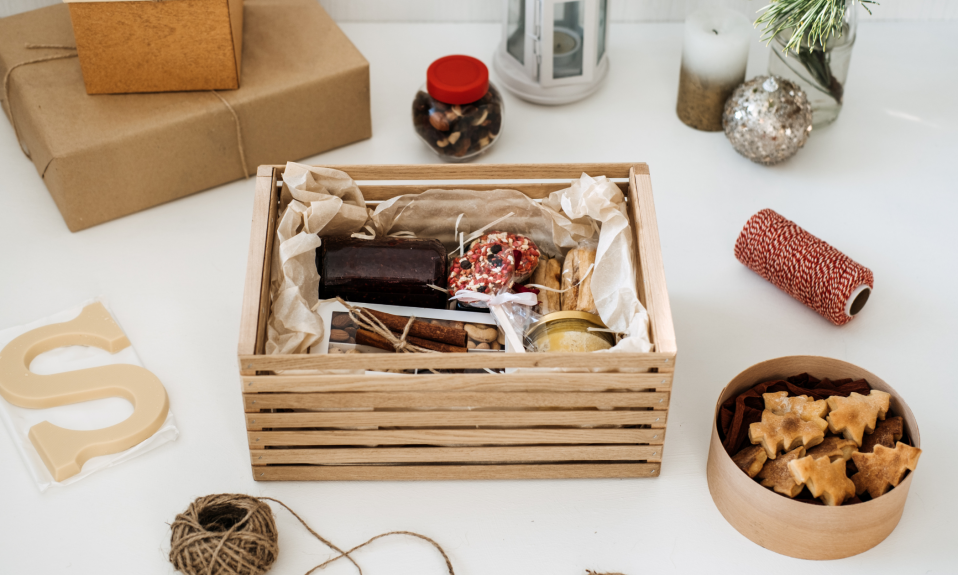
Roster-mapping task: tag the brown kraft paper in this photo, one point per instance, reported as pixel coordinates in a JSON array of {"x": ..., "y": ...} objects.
[
  {"x": 304, "y": 90},
  {"x": 158, "y": 46}
]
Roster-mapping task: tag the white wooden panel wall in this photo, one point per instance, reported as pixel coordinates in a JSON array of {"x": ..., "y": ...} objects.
[
  {"x": 491, "y": 10},
  {"x": 621, "y": 10}
]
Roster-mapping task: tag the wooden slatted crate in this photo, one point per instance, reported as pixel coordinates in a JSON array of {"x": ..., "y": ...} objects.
[{"x": 546, "y": 424}]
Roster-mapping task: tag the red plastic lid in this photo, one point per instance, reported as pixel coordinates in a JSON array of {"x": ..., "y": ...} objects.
[{"x": 457, "y": 79}]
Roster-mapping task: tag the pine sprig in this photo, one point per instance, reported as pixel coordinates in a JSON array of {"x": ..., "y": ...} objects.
[{"x": 811, "y": 21}]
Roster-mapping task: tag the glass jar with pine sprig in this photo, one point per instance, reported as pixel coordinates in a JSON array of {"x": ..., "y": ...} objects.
[{"x": 812, "y": 44}]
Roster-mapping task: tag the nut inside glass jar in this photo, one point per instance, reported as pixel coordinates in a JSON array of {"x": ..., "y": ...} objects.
[
  {"x": 568, "y": 331},
  {"x": 458, "y": 132},
  {"x": 458, "y": 112}
]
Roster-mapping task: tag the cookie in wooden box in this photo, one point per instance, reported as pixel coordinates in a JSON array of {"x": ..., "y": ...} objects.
[
  {"x": 751, "y": 459},
  {"x": 773, "y": 510},
  {"x": 778, "y": 433},
  {"x": 776, "y": 476},
  {"x": 886, "y": 433},
  {"x": 856, "y": 414},
  {"x": 834, "y": 447},
  {"x": 826, "y": 479},
  {"x": 803, "y": 406},
  {"x": 884, "y": 468}
]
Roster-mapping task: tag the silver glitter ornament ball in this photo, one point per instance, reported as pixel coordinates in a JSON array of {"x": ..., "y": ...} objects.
[{"x": 767, "y": 119}]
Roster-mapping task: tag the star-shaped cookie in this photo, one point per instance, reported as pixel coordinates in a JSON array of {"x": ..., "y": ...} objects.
[
  {"x": 886, "y": 433},
  {"x": 884, "y": 468},
  {"x": 803, "y": 406},
  {"x": 825, "y": 479},
  {"x": 775, "y": 474},
  {"x": 751, "y": 459},
  {"x": 852, "y": 416},
  {"x": 834, "y": 447},
  {"x": 778, "y": 433}
]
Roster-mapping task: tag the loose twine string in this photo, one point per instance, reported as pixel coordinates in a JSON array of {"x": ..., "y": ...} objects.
[
  {"x": 371, "y": 235},
  {"x": 235, "y": 534},
  {"x": 588, "y": 271},
  {"x": 476, "y": 233},
  {"x": 239, "y": 134},
  {"x": 73, "y": 54},
  {"x": 800, "y": 264}
]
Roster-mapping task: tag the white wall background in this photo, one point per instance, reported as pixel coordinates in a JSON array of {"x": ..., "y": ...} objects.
[
  {"x": 621, "y": 10},
  {"x": 491, "y": 10}
]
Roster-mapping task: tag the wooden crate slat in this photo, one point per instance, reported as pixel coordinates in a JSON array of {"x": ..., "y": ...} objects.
[
  {"x": 457, "y": 382},
  {"x": 485, "y": 171},
  {"x": 264, "y": 301},
  {"x": 353, "y": 419},
  {"x": 478, "y": 426},
  {"x": 509, "y": 454},
  {"x": 379, "y": 437},
  {"x": 382, "y": 192},
  {"x": 371, "y": 361},
  {"x": 653, "y": 270},
  {"x": 452, "y": 472},
  {"x": 255, "y": 265},
  {"x": 439, "y": 399}
]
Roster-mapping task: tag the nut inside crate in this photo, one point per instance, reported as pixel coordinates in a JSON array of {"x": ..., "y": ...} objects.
[{"x": 563, "y": 415}]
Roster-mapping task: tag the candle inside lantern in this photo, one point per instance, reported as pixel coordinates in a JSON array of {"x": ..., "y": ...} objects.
[
  {"x": 714, "y": 57},
  {"x": 566, "y": 53},
  {"x": 565, "y": 42}
]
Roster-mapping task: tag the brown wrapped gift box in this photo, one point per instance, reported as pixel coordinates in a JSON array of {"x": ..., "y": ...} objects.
[
  {"x": 165, "y": 46},
  {"x": 304, "y": 90}
]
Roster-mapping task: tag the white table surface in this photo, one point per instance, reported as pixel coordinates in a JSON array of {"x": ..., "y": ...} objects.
[{"x": 879, "y": 184}]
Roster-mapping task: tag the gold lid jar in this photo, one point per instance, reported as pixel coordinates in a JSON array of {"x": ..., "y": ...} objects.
[{"x": 568, "y": 331}]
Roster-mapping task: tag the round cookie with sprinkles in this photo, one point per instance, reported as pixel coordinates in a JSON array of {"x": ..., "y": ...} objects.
[
  {"x": 482, "y": 274},
  {"x": 525, "y": 252},
  {"x": 494, "y": 262}
]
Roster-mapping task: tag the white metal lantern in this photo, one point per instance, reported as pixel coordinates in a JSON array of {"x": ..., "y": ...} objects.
[{"x": 553, "y": 51}]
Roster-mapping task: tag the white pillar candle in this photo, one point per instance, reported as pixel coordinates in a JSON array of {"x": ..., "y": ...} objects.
[
  {"x": 716, "y": 45},
  {"x": 714, "y": 57}
]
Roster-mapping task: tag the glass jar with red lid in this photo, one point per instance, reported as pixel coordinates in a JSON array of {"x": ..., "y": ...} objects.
[{"x": 458, "y": 112}]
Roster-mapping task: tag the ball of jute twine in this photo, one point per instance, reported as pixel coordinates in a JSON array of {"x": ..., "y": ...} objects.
[{"x": 235, "y": 534}]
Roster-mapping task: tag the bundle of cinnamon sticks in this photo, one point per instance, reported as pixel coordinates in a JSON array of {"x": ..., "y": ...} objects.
[{"x": 430, "y": 336}]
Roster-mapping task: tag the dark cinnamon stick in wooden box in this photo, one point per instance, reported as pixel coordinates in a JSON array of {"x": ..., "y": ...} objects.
[
  {"x": 420, "y": 329},
  {"x": 366, "y": 337}
]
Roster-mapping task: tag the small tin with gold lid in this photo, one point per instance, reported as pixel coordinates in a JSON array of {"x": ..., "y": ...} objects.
[{"x": 569, "y": 331}]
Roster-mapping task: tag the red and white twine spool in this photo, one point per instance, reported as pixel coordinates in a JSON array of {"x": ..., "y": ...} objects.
[{"x": 804, "y": 266}]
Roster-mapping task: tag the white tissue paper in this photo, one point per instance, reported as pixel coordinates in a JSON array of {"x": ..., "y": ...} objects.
[
  {"x": 95, "y": 414},
  {"x": 613, "y": 278},
  {"x": 321, "y": 199}
]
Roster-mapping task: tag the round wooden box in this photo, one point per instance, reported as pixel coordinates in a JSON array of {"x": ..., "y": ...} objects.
[{"x": 790, "y": 527}]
